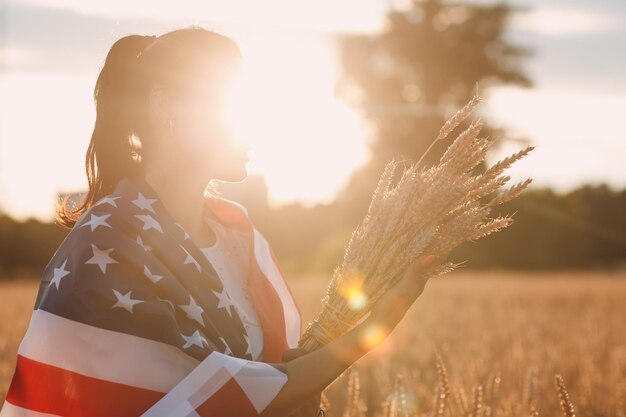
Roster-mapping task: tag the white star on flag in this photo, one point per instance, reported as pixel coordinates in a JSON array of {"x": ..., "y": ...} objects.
[
  {"x": 107, "y": 200},
  {"x": 96, "y": 221},
  {"x": 140, "y": 242},
  {"x": 227, "y": 350},
  {"x": 101, "y": 258},
  {"x": 144, "y": 203},
  {"x": 245, "y": 336},
  {"x": 224, "y": 300},
  {"x": 59, "y": 273},
  {"x": 194, "y": 339},
  {"x": 183, "y": 229},
  {"x": 153, "y": 277},
  {"x": 190, "y": 259},
  {"x": 124, "y": 301},
  {"x": 149, "y": 222},
  {"x": 193, "y": 310}
]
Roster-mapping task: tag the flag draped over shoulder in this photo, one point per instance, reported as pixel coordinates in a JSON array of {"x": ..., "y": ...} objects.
[{"x": 132, "y": 319}]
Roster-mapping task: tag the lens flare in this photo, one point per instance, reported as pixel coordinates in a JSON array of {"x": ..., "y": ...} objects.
[
  {"x": 373, "y": 336},
  {"x": 352, "y": 290}
]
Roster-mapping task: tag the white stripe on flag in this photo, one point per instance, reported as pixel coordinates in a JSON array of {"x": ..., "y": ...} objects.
[
  {"x": 260, "y": 382},
  {"x": 255, "y": 375},
  {"x": 104, "y": 354},
  {"x": 269, "y": 269}
]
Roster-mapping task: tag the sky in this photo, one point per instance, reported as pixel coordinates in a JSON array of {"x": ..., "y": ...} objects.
[{"x": 51, "y": 52}]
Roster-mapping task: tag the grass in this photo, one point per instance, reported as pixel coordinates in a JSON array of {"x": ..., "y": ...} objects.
[{"x": 509, "y": 344}]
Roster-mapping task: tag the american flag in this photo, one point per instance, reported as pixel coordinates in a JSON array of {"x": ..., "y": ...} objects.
[{"x": 131, "y": 319}]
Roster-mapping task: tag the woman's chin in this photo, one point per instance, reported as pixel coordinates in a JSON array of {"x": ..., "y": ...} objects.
[{"x": 236, "y": 176}]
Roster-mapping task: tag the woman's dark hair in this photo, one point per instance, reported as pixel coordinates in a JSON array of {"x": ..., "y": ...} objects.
[{"x": 183, "y": 60}]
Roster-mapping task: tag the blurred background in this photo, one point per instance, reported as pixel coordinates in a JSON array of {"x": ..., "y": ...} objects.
[{"x": 333, "y": 90}]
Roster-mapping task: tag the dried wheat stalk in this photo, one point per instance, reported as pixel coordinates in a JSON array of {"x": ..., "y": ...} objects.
[
  {"x": 566, "y": 404},
  {"x": 426, "y": 211}
]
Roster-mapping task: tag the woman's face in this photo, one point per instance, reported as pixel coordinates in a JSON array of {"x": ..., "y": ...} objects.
[{"x": 203, "y": 134}]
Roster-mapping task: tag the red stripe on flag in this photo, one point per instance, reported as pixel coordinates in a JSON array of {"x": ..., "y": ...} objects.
[
  {"x": 288, "y": 289},
  {"x": 48, "y": 389},
  {"x": 229, "y": 397},
  {"x": 269, "y": 308}
]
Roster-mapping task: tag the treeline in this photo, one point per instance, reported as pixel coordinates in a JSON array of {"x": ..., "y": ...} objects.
[
  {"x": 26, "y": 247},
  {"x": 585, "y": 228}
]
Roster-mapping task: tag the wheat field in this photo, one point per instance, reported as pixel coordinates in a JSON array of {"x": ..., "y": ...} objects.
[{"x": 476, "y": 343}]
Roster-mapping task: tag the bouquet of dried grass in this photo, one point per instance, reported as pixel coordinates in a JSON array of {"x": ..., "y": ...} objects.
[{"x": 427, "y": 211}]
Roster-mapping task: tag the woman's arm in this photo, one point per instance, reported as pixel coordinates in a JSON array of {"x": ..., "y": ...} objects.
[{"x": 311, "y": 373}]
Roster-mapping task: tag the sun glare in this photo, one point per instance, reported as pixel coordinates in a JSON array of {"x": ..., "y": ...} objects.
[
  {"x": 352, "y": 291},
  {"x": 302, "y": 138}
]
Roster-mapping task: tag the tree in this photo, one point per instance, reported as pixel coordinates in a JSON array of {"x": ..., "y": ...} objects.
[{"x": 412, "y": 76}]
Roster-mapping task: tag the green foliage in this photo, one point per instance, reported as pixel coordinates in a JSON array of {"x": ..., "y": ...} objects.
[{"x": 425, "y": 65}]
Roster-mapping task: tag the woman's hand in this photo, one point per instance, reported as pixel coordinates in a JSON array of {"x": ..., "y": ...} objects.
[
  {"x": 310, "y": 373},
  {"x": 311, "y": 407},
  {"x": 393, "y": 305}
]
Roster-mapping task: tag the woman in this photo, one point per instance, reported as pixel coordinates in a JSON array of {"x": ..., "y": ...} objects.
[{"x": 164, "y": 300}]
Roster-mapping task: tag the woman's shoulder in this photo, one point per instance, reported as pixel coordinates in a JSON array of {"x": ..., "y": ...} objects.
[
  {"x": 220, "y": 200},
  {"x": 97, "y": 243},
  {"x": 102, "y": 275},
  {"x": 99, "y": 224},
  {"x": 228, "y": 212}
]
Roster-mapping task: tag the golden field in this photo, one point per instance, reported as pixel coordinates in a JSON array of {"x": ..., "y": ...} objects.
[{"x": 502, "y": 337}]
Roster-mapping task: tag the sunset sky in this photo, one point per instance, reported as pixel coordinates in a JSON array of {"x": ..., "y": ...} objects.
[{"x": 52, "y": 51}]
